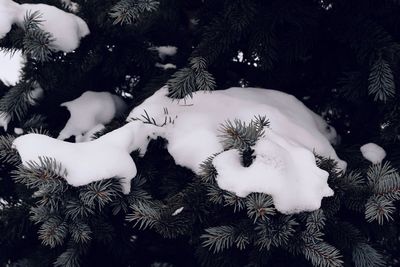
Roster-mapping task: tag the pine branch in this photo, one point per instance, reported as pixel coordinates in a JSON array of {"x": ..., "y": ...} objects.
[
  {"x": 80, "y": 232},
  {"x": 100, "y": 193},
  {"x": 275, "y": 231},
  {"x": 381, "y": 80},
  {"x": 131, "y": 11},
  {"x": 188, "y": 80},
  {"x": 53, "y": 232},
  {"x": 145, "y": 215},
  {"x": 47, "y": 174},
  {"x": 7, "y": 153},
  {"x": 259, "y": 206},
  {"x": 36, "y": 42},
  {"x": 231, "y": 199},
  {"x": 322, "y": 254},
  {"x": 240, "y": 135},
  {"x": 15, "y": 103},
  {"x": 379, "y": 208},
  {"x": 219, "y": 238}
]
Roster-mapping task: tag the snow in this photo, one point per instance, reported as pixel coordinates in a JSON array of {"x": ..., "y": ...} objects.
[
  {"x": 177, "y": 211},
  {"x": 10, "y": 67},
  {"x": 285, "y": 166},
  {"x": 105, "y": 157},
  {"x": 282, "y": 169},
  {"x": 206, "y": 111},
  {"x": 88, "y": 111},
  {"x": 66, "y": 28},
  {"x": 165, "y": 66},
  {"x": 89, "y": 135},
  {"x": 164, "y": 51},
  {"x": 18, "y": 131},
  {"x": 372, "y": 152}
]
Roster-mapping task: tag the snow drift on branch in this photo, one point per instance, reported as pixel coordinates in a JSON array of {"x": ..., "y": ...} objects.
[
  {"x": 105, "y": 157},
  {"x": 89, "y": 113},
  {"x": 66, "y": 28},
  {"x": 284, "y": 166}
]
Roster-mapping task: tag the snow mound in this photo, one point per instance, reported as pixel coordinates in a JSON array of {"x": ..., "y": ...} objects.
[
  {"x": 10, "y": 66},
  {"x": 66, "y": 28},
  {"x": 88, "y": 111},
  {"x": 372, "y": 152},
  {"x": 105, "y": 157},
  {"x": 164, "y": 51},
  {"x": 285, "y": 166},
  {"x": 282, "y": 169},
  {"x": 193, "y": 135}
]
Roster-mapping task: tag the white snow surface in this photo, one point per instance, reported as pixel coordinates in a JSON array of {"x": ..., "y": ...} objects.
[
  {"x": 285, "y": 166},
  {"x": 165, "y": 66},
  {"x": 88, "y": 111},
  {"x": 10, "y": 66},
  {"x": 372, "y": 152},
  {"x": 164, "y": 51},
  {"x": 18, "y": 131},
  {"x": 89, "y": 135},
  {"x": 105, "y": 157},
  {"x": 177, "y": 211},
  {"x": 66, "y": 28}
]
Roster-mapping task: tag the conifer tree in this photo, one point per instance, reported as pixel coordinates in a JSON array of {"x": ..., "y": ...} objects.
[{"x": 340, "y": 57}]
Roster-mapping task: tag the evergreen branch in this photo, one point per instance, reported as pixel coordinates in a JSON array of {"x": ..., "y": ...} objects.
[
  {"x": 145, "y": 215},
  {"x": 219, "y": 238},
  {"x": 322, "y": 254},
  {"x": 208, "y": 173},
  {"x": 47, "y": 174},
  {"x": 365, "y": 255},
  {"x": 191, "y": 79},
  {"x": 76, "y": 209},
  {"x": 231, "y": 199},
  {"x": 7, "y": 153},
  {"x": 379, "y": 208},
  {"x": 100, "y": 193},
  {"x": 215, "y": 194},
  {"x": 131, "y": 11},
  {"x": 70, "y": 257},
  {"x": 259, "y": 206},
  {"x": 53, "y": 232},
  {"x": 240, "y": 135},
  {"x": 36, "y": 42},
  {"x": 137, "y": 192},
  {"x": 15, "y": 103},
  {"x": 41, "y": 214},
  {"x": 316, "y": 220},
  {"x": 36, "y": 121},
  {"x": 80, "y": 232},
  {"x": 275, "y": 231},
  {"x": 381, "y": 80}
]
